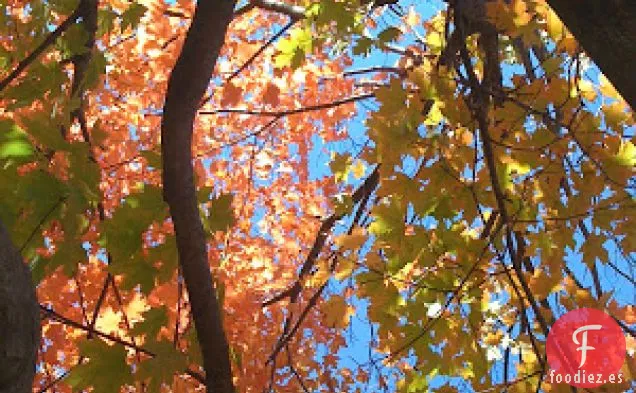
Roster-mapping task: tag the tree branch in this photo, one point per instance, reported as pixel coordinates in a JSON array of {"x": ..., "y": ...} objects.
[
  {"x": 187, "y": 84},
  {"x": 367, "y": 187},
  {"x": 261, "y": 50},
  {"x": 50, "y": 313},
  {"x": 295, "y": 12},
  {"x": 48, "y": 41},
  {"x": 480, "y": 102},
  {"x": 287, "y": 112},
  {"x": 607, "y": 32}
]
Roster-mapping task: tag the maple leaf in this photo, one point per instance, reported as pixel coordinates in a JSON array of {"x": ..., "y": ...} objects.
[
  {"x": 152, "y": 322},
  {"x": 232, "y": 94},
  {"x": 220, "y": 214},
  {"x": 14, "y": 143},
  {"x": 271, "y": 95},
  {"x": 337, "y": 312},
  {"x": 161, "y": 368},
  {"x": 105, "y": 370},
  {"x": 428, "y": 241}
]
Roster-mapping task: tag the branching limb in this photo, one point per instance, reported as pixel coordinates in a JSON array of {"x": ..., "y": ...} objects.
[
  {"x": 288, "y": 112},
  {"x": 54, "y": 315},
  {"x": 187, "y": 85},
  {"x": 367, "y": 187},
  {"x": 48, "y": 41},
  {"x": 88, "y": 14}
]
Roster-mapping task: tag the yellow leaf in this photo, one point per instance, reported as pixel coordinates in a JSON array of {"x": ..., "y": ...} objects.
[
  {"x": 584, "y": 299},
  {"x": 353, "y": 241},
  {"x": 521, "y": 15},
  {"x": 435, "y": 41},
  {"x": 337, "y": 312},
  {"x": 345, "y": 268},
  {"x": 320, "y": 276},
  {"x": 108, "y": 321},
  {"x": 412, "y": 18},
  {"x": 615, "y": 115},
  {"x": 607, "y": 89},
  {"x": 554, "y": 26},
  {"x": 358, "y": 169},
  {"x": 585, "y": 89},
  {"x": 136, "y": 308},
  {"x": 542, "y": 284},
  {"x": 626, "y": 154}
]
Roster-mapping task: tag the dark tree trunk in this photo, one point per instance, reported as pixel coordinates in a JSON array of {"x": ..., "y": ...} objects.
[
  {"x": 606, "y": 29},
  {"x": 19, "y": 320},
  {"x": 187, "y": 84}
]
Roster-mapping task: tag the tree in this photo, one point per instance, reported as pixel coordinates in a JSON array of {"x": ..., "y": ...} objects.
[
  {"x": 606, "y": 31},
  {"x": 20, "y": 329},
  {"x": 480, "y": 183},
  {"x": 188, "y": 82}
]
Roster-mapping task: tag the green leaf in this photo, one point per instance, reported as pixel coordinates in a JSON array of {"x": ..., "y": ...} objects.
[
  {"x": 73, "y": 42},
  {"x": 363, "y": 46},
  {"x": 105, "y": 20},
  {"x": 96, "y": 68},
  {"x": 388, "y": 35},
  {"x": 16, "y": 148},
  {"x": 44, "y": 130},
  {"x": 626, "y": 154},
  {"x": 220, "y": 213},
  {"x": 331, "y": 11},
  {"x": 203, "y": 194},
  {"x": 132, "y": 16},
  {"x": 194, "y": 351},
  {"x": 552, "y": 65},
  {"x": 136, "y": 271},
  {"x": 63, "y": 6},
  {"x": 168, "y": 255},
  {"x": 153, "y": 158},
  {"x": 339, "y": 166},
  {"x": 292, "y": 50},
  {"x": 106, "y": 369},
  {"x": 123, "y": 231},
  {"x": 14, "y": 143},
  {"x": 388, "y": 219},
  {"x": 161, "y": 368},
  {"x": 154, "y": 320},
  {"x": 418, "y": 384},
  {"x": 85, "y": 175},
  {"x": 68, "y": 255},
  {"x": 32, "y": 201}
]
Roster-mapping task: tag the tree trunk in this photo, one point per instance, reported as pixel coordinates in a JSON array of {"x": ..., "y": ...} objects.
[
  {"x": 187, "y": 84},
  {"x": 19, "y": 320},
  {"x": 607, "y": 32}
]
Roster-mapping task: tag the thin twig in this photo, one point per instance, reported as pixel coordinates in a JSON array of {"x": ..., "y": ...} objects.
[
  {"x": 41, "y": 222},
  {"x": 288, "y": 112},
  {"x": 48, "y": 41}
]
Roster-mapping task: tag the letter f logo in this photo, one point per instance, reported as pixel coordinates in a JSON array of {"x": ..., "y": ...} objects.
[{"x": 583, "y": 345}]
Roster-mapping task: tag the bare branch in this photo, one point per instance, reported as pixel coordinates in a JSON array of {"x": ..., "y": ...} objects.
[
  {"x": 288, "y": 112},
  {"x": 48, "y": 41},
  {"x": 186, "y": 86},
  {"x": 293, "y": 11}
]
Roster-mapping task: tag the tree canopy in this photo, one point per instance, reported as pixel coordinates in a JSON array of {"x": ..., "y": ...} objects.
[{"x": 314, "y": 195}]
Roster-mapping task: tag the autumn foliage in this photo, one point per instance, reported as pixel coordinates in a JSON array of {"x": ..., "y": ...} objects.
[{"x": 428, "y": 186}]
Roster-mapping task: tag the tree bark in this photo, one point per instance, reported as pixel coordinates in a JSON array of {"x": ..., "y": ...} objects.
[
  {"x": 187, "y": 84},
  {"x": 19, "y": 320},
  {"x": 607, "y": 32}
]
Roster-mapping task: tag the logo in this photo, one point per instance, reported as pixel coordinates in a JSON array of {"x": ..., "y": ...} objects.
[{"x": 586, "y": 348}]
